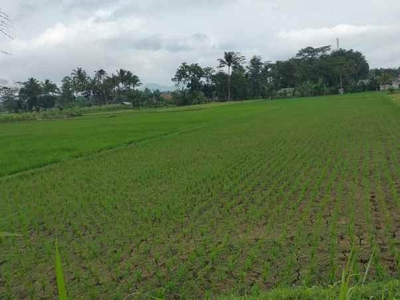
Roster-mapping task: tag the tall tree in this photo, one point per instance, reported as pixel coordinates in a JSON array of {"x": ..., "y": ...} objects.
[
  {"x": 266, "y": 80},
  {"x": 67, "y": 91},
  {"x": 29, "y": 94},
  {"x": 80, "y": 82},
  {"x": 111, "y": 87},
  {"x": 230, "y": 59},
  {"x": 99, "y": 87},
  {"x": 239, "y": 83},
  {"x": 122, "y": 79},
  {"x": 309, "y": 64},
  {"x": 189, "y": 77},
  {"x": 48, "y": 96},
  {"x": 219, "y": 81},
  {"x": 126, "y": 81},
  {"x": 100, "y": 75},
  {"x": 208, "y": 87},
  {"x": 254, "y": 70},
  {"x": 385, "y": 78},
  {"x": 49, "y": 87},
  {"x": 9, "y": 97},
  {"x": 132, "y": 81},
  {"x": 351, "y": 66}
]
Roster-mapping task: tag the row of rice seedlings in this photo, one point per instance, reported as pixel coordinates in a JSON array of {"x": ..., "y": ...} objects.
[
  {"x": 248, "y": 263},
  {"x": 391, "y": 173},
  {"x": 334, "y": 236},
  {"x": 352, "y": 204},
  {"x": 287, "y": 271},
  {"x": 267, "y": 263},
  {"x": 317, "y": 239},
  {"x": 251, "y": 204},
  {"x": 293, "y": 185},
  {"x": 388, "y": 202},
  {"x": 375, "y": 209},
  {"x": 300, "y": 212}
]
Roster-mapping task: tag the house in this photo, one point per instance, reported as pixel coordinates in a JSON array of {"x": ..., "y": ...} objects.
[
  {"x": 167, "y": 96},
  {"x": 286, "y": 92},
  {"x": 395, "y": 85}
]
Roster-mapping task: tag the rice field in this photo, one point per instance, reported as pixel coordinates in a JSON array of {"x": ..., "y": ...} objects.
[{"x": 203, "y": 202}]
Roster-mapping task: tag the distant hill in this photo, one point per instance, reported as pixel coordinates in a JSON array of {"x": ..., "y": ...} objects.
[{"x": 155, "y": 86}]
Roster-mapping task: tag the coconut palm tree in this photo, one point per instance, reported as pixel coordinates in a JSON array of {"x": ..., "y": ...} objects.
[
  {"x": 79, "y": 81},
  {"x": 99, "y": 86},
  {"x": 67, "y": 91},
  {"x": 132, "y": 81},
  {"x": 100, "y": 75},
  {"x": 29, "y": 93},
  {"x": 111, "y": 83},
  {"x": 122, "y": 79},
  {"x": 126, "y": 81},
  {"x": 230, "y": 60},
  {"x": 49, "y": 87},
  {"x": 48, "y": 96}
]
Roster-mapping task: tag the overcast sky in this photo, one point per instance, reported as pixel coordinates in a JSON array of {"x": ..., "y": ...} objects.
[{"x": 152, "y": 37}]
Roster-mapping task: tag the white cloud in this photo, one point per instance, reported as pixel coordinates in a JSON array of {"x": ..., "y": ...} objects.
[
  {"x": 153, "y": 37},
  {"x": 341, "y": 30}
]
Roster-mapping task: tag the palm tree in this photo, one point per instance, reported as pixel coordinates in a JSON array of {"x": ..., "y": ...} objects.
[
  {"x": 230, "y": 60},
  {"x": 29, "y": 94},
  {"x": 79, "y": 80},
  {"x": 67, "y": 91},
  {"x": 49, "y": 87},
  {"x": 99, "y": 86},
  {"x": 125, "y": 81},
  {"x": 100, "y": 75},
  {"x": 122, "y": 79},
  {"x": 111, "y": 83},
  {"x": 132, "y": 80},
  {"x": 48, "y": 96}
]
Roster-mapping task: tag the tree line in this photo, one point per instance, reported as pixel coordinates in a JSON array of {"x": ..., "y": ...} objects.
[
  {"x": 78, "y": 89},
  {"x": 311, "y": 72}
]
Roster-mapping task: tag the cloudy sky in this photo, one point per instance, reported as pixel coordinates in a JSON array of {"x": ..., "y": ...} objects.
[{"x": 152, "y": 37}]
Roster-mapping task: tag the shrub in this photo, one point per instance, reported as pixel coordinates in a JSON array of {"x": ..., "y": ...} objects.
[
  {"x": 182, "y": 98},
  {"x": 58, "y": 113}
]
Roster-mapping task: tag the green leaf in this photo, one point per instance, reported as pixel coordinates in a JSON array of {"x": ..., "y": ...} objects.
[
  {"x": 9, "y": 234},
  {"x": 62, "y": 291}
]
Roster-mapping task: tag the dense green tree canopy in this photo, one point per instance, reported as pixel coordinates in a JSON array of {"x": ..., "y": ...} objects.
[{"x": 311, "y": 71}]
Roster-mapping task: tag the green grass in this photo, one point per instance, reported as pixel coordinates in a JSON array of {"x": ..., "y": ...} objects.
[
  {"x": 62, "y": 290},
  {"x": 28, "y": 145},
  {"x": 227, "y": 200},
  {"x": 376, "y": 290}
]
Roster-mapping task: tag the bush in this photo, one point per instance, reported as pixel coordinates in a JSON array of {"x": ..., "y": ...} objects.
[
  {"x": 109, "y": 107},
  {"x": 182, "y": 98},
  {"x": 59, "y": 113}
]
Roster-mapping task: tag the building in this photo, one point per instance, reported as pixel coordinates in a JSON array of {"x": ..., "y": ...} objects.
[
  {"x": 286, "y": 92},
  {"x": 395, "y": 85}
]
